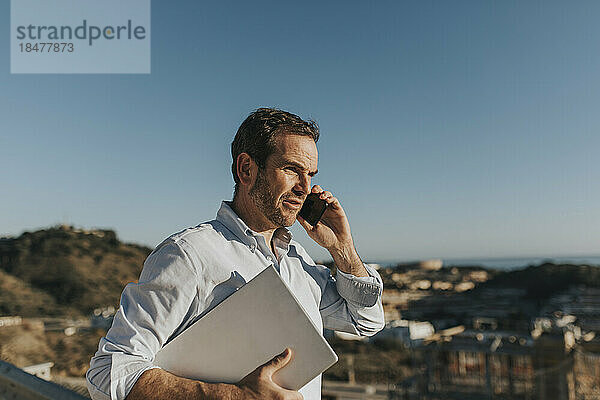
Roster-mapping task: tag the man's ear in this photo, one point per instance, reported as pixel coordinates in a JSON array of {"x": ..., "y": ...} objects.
[{"x": 246, "y": 169}]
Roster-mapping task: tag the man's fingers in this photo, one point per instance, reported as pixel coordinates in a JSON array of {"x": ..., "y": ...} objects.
[
  {"x": 293, "y": 395},
  {"x": 259, "y": 384},
  {"x": 329, "y": 199},
  {"x": 325, "y": 195},
  {"x": 333, "y": 201},
  {"x": 279, "y": 361}
]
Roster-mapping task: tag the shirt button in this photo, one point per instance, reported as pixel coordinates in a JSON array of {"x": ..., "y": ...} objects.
[
  {"x": 252, "y": 248},
  {"x": 269, "y": 258}
]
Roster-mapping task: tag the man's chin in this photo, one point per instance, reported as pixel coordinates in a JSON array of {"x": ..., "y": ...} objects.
[
  {"x": 288, "y": 218},
  {"x": 290, "y": 223}
]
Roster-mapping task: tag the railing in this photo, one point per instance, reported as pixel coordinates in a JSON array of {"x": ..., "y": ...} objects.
[{"x": 18, "y": 384}]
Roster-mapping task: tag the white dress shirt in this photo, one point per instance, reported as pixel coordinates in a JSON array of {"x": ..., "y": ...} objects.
[{"x": 192, "y": 271}]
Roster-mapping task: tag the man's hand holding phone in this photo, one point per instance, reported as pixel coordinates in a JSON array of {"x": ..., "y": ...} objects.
[{"x": 332, "y": 232}]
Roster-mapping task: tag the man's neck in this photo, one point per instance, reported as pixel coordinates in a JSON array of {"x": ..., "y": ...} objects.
[{"x": 253, "y": 218}]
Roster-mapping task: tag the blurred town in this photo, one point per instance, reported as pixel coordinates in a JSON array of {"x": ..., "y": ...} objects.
[{"x": 452, "y": 332}]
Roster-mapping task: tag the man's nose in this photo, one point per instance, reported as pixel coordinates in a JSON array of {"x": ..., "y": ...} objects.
[{"x": 303, "y": 184}]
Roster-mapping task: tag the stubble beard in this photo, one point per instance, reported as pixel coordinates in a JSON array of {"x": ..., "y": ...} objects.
[{"x": 266, "y": 201}]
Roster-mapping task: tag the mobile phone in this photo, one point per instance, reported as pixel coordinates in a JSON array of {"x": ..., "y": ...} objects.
[{"x": 313, "y": 208}]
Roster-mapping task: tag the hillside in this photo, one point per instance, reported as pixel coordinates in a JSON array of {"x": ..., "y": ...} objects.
[
  {"x": 548, "y": 279},
  {"x": 62, "y": 271},
  {"x": 18, "y": 297},
  {"x": 65, "y": 271}
]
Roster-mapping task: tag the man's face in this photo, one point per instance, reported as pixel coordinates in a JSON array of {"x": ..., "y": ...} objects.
[{"x": 280, "y": 189}]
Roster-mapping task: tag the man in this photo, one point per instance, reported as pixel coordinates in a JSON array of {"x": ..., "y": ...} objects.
[{"x": 274, "y": 158}]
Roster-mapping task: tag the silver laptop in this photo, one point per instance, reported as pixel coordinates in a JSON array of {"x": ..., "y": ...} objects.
[{"x": 244, "y": 331}]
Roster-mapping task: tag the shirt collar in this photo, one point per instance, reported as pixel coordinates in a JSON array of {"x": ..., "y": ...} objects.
[{"x": 235, "y": 224}]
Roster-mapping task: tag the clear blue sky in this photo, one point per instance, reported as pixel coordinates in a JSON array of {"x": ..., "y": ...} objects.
[{"x": 449, "y": 129}]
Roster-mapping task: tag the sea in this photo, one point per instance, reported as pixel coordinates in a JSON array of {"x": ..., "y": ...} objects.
[{"x": 515, "y": 263}]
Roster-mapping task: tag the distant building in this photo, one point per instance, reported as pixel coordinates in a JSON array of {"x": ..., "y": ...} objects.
[
  {"x": 102, "y": 317},
  {"x": 40, "y": 370},
  {"x": 10, "y": 321},
  {"x": 409, "y": 333},
  {"x": 506, "y": 365},
  {"x": 431, "y": 265}
]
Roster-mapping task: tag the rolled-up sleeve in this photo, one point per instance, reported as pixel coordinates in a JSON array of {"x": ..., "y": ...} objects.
[
  {"x": 150, "y": 312},
  {"x": 353, "y": 304},
  {"x": 363, "y": 290}
]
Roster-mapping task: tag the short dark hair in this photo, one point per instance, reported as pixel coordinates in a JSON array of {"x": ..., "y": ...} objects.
[{"x": 256, "y": 135}]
